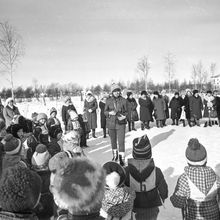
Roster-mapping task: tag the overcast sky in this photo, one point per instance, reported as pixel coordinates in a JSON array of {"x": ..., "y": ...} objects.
[{"x": 95, "y": 41}]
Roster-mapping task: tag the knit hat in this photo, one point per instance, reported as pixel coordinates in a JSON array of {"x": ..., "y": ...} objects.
[
  {"x": 34, "y": 115},
  {"x": 2, "y": 124},
  {"x": 141, "y": 148},
  {"x": 41, "y": 156},
  {"x": 52, "y": 110},
  {"x": 115, "y": 174},
  {"x": 12, "y": 145},
  {"x": 128, "y": 94},
  {"x": 67, "y": 99},
  {"x": 8, "y": 100},
  {"x": 79, "y": 186},
  {"x": 196, "y": 153},
  {"x": 156, "y": 93},
  {"x": 54, "y": 131},
  {"x": 195, "y": 91},
  {"x": 41, "y": 116},
  {"x": 115, "y": 87},
  {"x": 176, "y": 93},
  {"x": 19, "y": 189}
]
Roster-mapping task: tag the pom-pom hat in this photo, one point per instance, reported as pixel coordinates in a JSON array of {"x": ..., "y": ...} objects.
[
  {"x": 12, "y": 145},
  {"x": 115, "y": 87},
  {"x": 196, "y": 153}
]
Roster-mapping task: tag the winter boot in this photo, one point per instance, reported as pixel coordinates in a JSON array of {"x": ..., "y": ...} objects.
[
  {"x": 197, "y": 122},
  {"x": 206, "y": 124},
  {"x": 115, "y": 155},
  {"x": 164, "y": 122},
  {"x": 104, "y": 132},
  {"x": 122, "y": 158},
  {"x": 142, "y": 126},
  {"x": 184, "y": 123},
  {"x": 129, "y": 126},
  {"x": 157, "y": 123},
  {"x": 189, "y": 123},
  {"x": 93, "y": 133},
  {"x": 173, "y": 122},
  {"x": 132, "y": 124},
  {"x": 161, "y": 123},
  {"x": 211, "y": 123},
  {"x": 147, "y": 125},
  {"x": 177, "y": 122}
]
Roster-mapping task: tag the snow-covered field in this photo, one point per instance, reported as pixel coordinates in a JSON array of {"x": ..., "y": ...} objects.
[{"x": 168, "y": 147}]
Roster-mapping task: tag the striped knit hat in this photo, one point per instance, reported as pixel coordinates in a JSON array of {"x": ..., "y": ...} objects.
[
  {"x": 141, "y": 148},
  {"x": 12, "y": 145}
]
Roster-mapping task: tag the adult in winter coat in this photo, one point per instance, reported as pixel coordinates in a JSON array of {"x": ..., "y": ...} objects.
[
  {"x": 132, "y": 115},
  {"x": 217, "y": 106},
  {"x": 209, "y": 103},
  {"x": 146, "y": 180},
  {"x": 198, "y": 187},
  {"x": 9, "y": 111},
  {"x": 102, "y": 114},
  {"x": 116, "y": 112},
  {"x": 2, "y": 135},
  {"x": 68, "y": 105},
  {"x": 90, "y": 106},
  {"x": 146, "y": 109},
  {"x": 166, "y": 99},
  {"x": 186, "y": 105},
  {"x": 175, "y": 105},
  {"x": 159, "y": 109},
  {"x": 196, "y": 107}
]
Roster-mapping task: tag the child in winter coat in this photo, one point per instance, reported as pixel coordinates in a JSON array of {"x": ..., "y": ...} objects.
[
  {"x": 198, "y": 187},
  {"x": 53, "y": 120},
  {"x": 19, "y": 194},
  {"x": 146, "y": 179},
  {"x": 79, "y": 188},
  {"x": 118, "y": 199},
  {"x": 40, "y": 161},
  {"x": 54, "y": 146},
  {"x": 42, "y": 123}
]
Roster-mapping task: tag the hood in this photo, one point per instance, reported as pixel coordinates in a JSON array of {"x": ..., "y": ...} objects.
[
  {"x": 141, "y": 169},
  {"x": 198, "y": 173},
  {"x": 209, "y": 98},
  {"x": 90, "y": 98}
]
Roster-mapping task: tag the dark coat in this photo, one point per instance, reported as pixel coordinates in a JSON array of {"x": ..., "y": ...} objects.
[
  {"x": 91, "y": 116},
  {"x": 119, "y": 106},
  {"x": 16, "y": 216},
  {"x": 1, "y": 111},
  {"x": 159, "y": 108},
  {"x": 146, "y": 109},
  {"x": 102, "y": 114},
  {"x": 9, "y": 114},
  {"x": 138, "y": 174},
  {"x": 217, "y": 103},
  {"x": 131, "y": 107},
  {"x": 175, "y": 105},
  {"x": 166, "y": 99},
  {"x": 196, "y": 107},
  {"x": 1, "y": 155},
  {"x": 65, "y": 114},
  {"x": 187, "y": 107},
  {"x": 53, "y": 147},
  {"x": 46, "y": 204},
  {"x": 52, "y": 121}
]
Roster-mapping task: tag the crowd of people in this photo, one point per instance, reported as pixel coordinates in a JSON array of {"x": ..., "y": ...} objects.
[{"x": 45, "y": 173}]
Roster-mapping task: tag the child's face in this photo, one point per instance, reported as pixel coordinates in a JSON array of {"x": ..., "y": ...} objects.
[
  {"x": 53, "y": 114},
  {"x": 20, "y": 133},
  {"x": 42, "y": 121},
  {"x": 59, "y": 135}
]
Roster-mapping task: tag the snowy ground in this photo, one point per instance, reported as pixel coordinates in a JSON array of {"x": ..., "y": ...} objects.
[{"x": 168, "y": 147}]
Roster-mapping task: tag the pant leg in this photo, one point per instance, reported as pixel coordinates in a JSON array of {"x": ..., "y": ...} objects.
[
  {"x": 83, "y": 140},
  {"x": 129, "y": 125},
  {"x": 121, "y": 137},
  {"x": 113, "y": 138}
]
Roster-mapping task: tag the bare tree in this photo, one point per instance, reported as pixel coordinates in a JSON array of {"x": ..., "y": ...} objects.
[
  {"x": 143, "y": 67},
  {"x": 11, "y": 50},
  {"x": 194, "y": 75},
  {"x": 169, "y": 68},
  {"x": 212, "y": 69}
]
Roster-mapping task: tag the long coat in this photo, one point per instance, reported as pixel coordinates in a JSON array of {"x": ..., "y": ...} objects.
[
  {"x": 159, "y": 108},
  {"x": 217, "y": 102},
  {"x": 65, "y": 114},
  {"x": 166, "y": 99},
  {"x": 102, "y": 114},
  {"x": 92, "y": 116},
  {"x": 203, "y": 178},
  {"x": 175, "y": 105},
  {"x": 146, "y": 109},
  {"x": 131, "y": 106},
  {"x": 187, "y": 107},
  {"x": 196, "y": 107},
  {"x": 9, "y": 114},
  {"x": 209, "y": 106}
]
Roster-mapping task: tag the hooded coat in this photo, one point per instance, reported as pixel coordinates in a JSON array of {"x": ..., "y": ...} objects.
[
  {"x": 203, "y": 178},
  {"x": 140, "y": 174}
]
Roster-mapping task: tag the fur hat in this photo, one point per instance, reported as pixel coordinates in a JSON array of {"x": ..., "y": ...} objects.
[
  {"x": 195, "y": 91},
  {"x": 115, "y": 174},
  {"x": 19, "y": 189},
  {"x": 12, "y": 145},
  {"x": 8, "y": 100},
  {"x": 89, "y": 93},
  {"x": 115, "y": 87},
  {"x": 144, "y": 92},
  {"x": 176, "y": 93},
  {"x": 54, "y": 131},
  {"x": 129, "y": 93},
  {"x": 41, "y": 116},
  {"x": 156, "y": 93},
  {"x": 79, "y": 186},
  {"x": 196, "y": 153},
  {"x": 40, "y": 157},
  {"x": 53, "y": 110},
  {"x": 2, "y": 124},
  {"x": 142, "y": 148}
]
